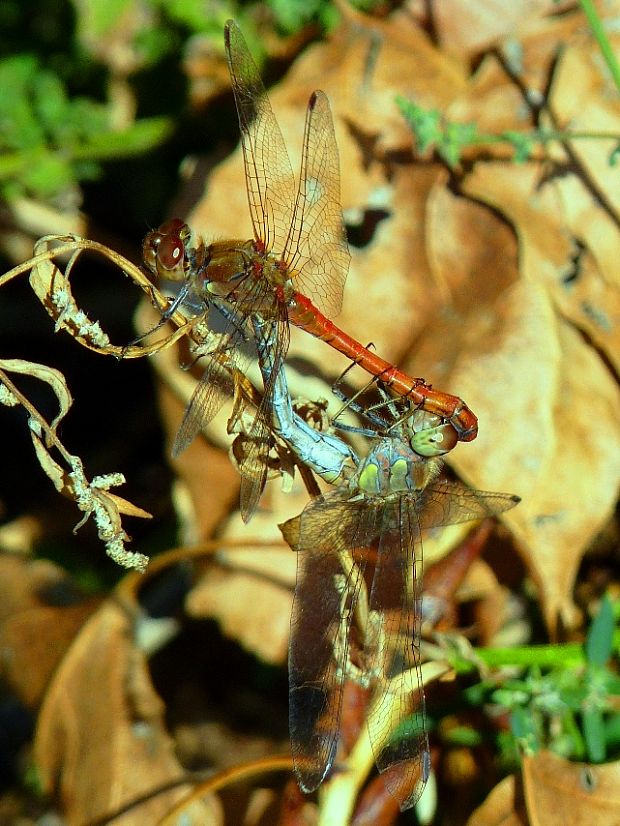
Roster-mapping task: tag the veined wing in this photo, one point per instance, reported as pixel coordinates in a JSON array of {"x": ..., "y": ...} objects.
[
  {"x": 392, "y": 655},
  {"x": 252, "y": 451},
  {"x": 396, "y": 720},
  {"x": 326, "y": 535},
  {"x": 316, "y": 248},
  {"x": 449, "y": 503},
  {"x": 216, "y": 387},
  {"x": 213, "y": 389},
  {"x": 269, "y": 176}
]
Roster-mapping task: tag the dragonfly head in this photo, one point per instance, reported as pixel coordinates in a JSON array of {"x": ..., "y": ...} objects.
[{"x": 172, "y": 252}]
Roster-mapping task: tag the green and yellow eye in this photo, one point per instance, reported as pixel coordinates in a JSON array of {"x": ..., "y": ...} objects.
[{"x": 434, "y": 441}]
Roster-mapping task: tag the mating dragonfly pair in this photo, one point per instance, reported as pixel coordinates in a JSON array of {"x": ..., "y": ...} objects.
[{"x": 294, "y": 270}]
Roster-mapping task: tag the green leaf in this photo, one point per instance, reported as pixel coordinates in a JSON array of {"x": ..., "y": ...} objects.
[
  {"x": 425, "y": 124},
  {"x": 594, "y": 733},
  {"x": 98, "y": 17},
  {"x": 599, "y": 641},
  {"x": 521, "y": 142},
  {"x": 19, "y": 126},
  {"x": 141, "y": 137},
  {"x": 291, "y": 15},
  {"x": 463, "y": 736},
  {"x": 50, "y": 174},
  {"x": 49, "y": 99},
  {"x": 524, "y": 728}
]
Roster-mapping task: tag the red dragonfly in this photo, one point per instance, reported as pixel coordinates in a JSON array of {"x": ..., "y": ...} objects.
[{"x": 299, "y": 250}]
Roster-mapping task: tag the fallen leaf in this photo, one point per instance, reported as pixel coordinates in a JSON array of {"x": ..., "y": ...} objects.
[
  {"x": 504, "y": 806},
  {"x": 100, "y": 740},
  {"x": 558, "y": 791},
  {"x": 41, "y": 612},
  {"x": 475, "y": 27},
  {"x": 541, "y": 383}
]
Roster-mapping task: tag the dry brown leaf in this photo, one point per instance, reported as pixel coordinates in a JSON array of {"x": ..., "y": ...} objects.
[
  {"x": 590, "y": 296},
  {"x": 504, "y": 806},
  {"x": 100, "y": 737},
  {"x": 38, "y": 620},
  {"x": 250, "y": 598},
  {"x": 468, "y": 27},
  {"x": 552, "y": 381},
  {"x": 23, "y": 581},
  {"x": 558, "y": 791},
  {"x": 583, "y": 98},
  {"x": 494, "y": 103},
  {"x": 34, "y": 641}
]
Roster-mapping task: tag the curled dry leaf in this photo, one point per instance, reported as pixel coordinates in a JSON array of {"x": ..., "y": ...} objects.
[
  {"x": 92, "y": 497},
  {"x": 53, "y": 289},
  {"x": 54, "y": 378},
  {"x": 101, "y": 743}
]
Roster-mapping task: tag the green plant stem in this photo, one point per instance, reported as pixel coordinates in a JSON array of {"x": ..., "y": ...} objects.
[
  {"x": 598, "y": 31},
  {"x": 545, "y": 656}
]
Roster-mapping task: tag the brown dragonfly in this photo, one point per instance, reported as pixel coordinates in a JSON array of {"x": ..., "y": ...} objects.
[
  {"x": 292, "y": 270},
  {"x": 357, "y": 607}
]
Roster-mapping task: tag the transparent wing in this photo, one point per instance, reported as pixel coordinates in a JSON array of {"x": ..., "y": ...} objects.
[
  {"x": 449, "y": 503},
  {"x": 396, "y": 720},
  {"x": 329, "y": 531},
  {"x": 214, "y": 388},
  {"x": 252, "y": 451},
  {"x": 269, "y": 176},
  {"x": 235, "y": 352},
  {"x": 316, "y": 248}
]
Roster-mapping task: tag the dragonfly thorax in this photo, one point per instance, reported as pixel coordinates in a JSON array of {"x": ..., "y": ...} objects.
[
  {"x": 392, "y": 468},
  {"x": 227, "y": 264}
]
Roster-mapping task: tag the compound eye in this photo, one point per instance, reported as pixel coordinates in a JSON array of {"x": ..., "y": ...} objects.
[
  {"x": 174, "y": 226},
  {"x": 434, "y": 441},
  {"x": 170, "y": 252}
]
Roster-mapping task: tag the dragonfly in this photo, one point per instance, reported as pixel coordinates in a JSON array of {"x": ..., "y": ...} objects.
[
  {"x": 380, "y": 507},
  {"x": 293, "y": 269}
]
